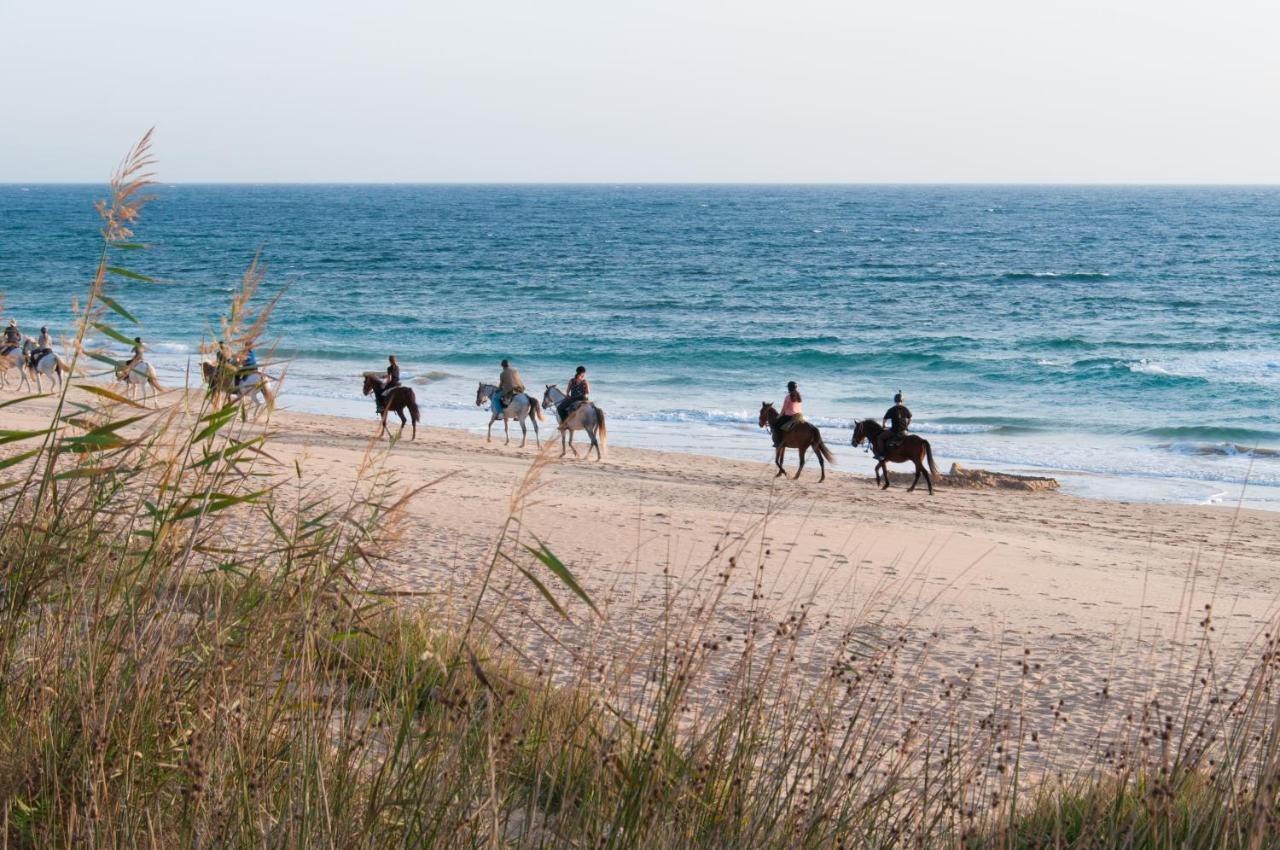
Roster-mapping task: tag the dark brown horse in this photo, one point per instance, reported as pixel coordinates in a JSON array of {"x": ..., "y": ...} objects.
[
  {"x": 912, "y": 449},
  {"x": 802, "y": 436},
  {"x": 395, "y": 400}
]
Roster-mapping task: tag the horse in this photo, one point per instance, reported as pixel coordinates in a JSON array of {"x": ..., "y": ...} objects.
[
  {"x": 912, "y": 449},
  {"x": 46, "y": 363},
  {"x": 12, "y": 358},
  {"x": 395, "y": 400},
  {"x": 587, "y": 417},
  {"x": 802, "y": 436},
  {"x": 140, "y": 377},
  {"x": 521, "y": 407},
  {"x": 250, "y": 386}
]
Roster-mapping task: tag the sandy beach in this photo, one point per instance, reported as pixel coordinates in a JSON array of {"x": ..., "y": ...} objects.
[{"x": 1089, "y": 592}]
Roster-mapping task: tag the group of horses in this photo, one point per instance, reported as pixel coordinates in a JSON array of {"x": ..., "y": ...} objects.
[
  {"x": 32, "y": 363},
  {"x": 255, "y": 386},
  {"x": 804, "y": 436},
  {"x": 590, "y": 418},
  {"x": 522, "y": 407}
]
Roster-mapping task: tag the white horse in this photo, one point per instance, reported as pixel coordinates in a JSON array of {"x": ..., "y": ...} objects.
[
  {"x": 587, "y": 417},
  {"x": 47, "y": 363},
  {"x": 521, "y": 407},
  {"x": 249, "y": 387},
  {"x": 13, "y": 357},
  {"x": 140, "y": 378}
]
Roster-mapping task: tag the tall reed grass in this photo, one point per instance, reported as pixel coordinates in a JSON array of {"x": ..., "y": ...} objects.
[{"x": 190, "y": 656}]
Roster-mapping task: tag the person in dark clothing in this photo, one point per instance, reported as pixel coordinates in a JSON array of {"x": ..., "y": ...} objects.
[
  {"x": 13, "y": 334},
  {"x": 391, "y": 381},
  {"x": 577, "y": 393},
  {"x": 899, "y": 419}
]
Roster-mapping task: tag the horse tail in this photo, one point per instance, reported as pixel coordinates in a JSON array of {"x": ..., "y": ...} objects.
[
  {"x": 602, "y": 430},
  {"x": 821, "y": 447},
  {"x": 928, "y": 452},
  {"x": 151, "y": 379},
  {"x": 535, "y": 409},
  {"x": 411, "y": 402}
]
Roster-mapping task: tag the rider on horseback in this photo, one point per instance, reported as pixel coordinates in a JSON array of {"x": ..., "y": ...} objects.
[
  {"x": 135, "y": 357},
  {"x": 509, "y": 386},
  {"x": 792, "y": 412},
  {"x": 578, "y": 393},
  {"x": 248, "y": 365},
  {"x": 387, "y": 384},
  {"x": 43, "y": 346},
  {"x": 12, "y": 334},
  {"x": 899, "y": 419}
]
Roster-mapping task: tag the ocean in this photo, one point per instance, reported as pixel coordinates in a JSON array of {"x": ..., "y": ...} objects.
[{"x": 1124, "y": 340}]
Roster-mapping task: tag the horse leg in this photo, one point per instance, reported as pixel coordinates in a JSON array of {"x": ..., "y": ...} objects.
[
  {"x": 886, "y": 475},
  {"x": 822, "y": 466},
  {"x": 524, "y": 434},
  {"x": 777, "y": 459},
  {"x": 488, "y": 434},
  {"x": 928, "y": 480},
  {"x": 800, "y": 469},
  {"x": 595, "y": 444},
  {"x": 571, "y": 446},
  {"x": 537, "y": 440},
  {"x": 916, "y": 480},
  {"x": 562, "y": 443},
  {"x": 506, "y": 430}
]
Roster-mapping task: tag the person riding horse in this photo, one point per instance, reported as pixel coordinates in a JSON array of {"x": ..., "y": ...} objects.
[
  {"x": 248, "y": 365},
  {"x": 899, "y": 419},
  {"x": 578, "y": 393},
  {"x": 792, "y": 412},
  {"x": 42, "y": 346},
  {"x": 390, "y": 382},
  {"x": 12, "y": 334},
  {"x": 509, "y": 386},
  {"x": 135, "y": 357}
]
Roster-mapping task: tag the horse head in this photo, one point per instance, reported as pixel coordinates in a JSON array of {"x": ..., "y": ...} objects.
[
  {"x": 867, "y": 429},
  {"x": 767, "y": 413},
  {"x": 549, "y": 397},
  {"x": 485, "y": 392},
  {"x": 371, "y": 382}
]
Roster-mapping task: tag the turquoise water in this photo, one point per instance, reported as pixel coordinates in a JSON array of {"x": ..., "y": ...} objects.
[{"x": 1126, "y": 339}]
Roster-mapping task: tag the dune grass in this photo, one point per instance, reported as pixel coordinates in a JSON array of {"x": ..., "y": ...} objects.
[{"x": 190, "y": 656}]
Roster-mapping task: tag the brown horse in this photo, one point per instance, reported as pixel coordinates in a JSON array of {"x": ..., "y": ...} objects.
[
  {"x": 395, "y": 400},
  {"x": 912, "y": 449},
  {"x": 802, "y": 436}
]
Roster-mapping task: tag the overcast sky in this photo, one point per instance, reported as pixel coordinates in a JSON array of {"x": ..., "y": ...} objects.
[{"x": 662, "y": 90}]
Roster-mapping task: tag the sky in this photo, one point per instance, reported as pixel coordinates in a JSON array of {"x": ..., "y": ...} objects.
[{"x": 1039, "y": 91}]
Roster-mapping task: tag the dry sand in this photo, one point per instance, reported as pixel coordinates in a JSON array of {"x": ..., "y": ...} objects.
[{"x": 1096, "y": 591}]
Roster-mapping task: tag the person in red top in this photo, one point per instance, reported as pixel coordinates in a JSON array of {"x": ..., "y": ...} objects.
[
  {"x": 578, "y": 392},
  {"x": 791, "y": 408}
]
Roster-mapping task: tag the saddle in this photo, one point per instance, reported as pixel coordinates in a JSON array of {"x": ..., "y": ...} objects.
[
  {"x": 34, "y": 357},
  {"x": 792, "y": 422},
  {"x": 893, "y": 439},
  {"x": 6, "y": 349}
]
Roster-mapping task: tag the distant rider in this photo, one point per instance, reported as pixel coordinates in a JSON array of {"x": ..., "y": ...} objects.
[
  {"x": 578, "y": 393},
  {"x": 899, "y": 419},
  {"x": 12, "y": 334},
  {"x": 509, "y": 385},
  {"x": 43, "y": 346},
  {"x": 389, "y": 382},
  {"x": 248, "y": 365},
  {"x": 135, "y": 357},
  {"x": 792, "y": 411}
]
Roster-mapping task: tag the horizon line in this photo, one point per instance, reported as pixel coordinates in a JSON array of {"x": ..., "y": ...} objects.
[{"x": 675, "y": 183}]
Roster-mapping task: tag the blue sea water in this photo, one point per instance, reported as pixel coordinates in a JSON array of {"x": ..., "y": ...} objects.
[{"x": 1126, "y": 340}]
